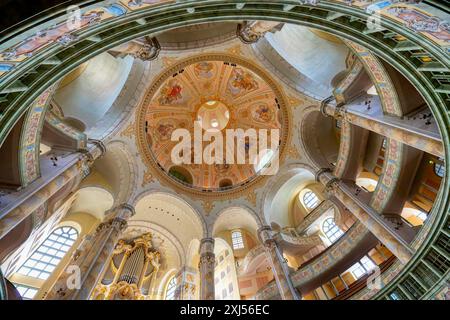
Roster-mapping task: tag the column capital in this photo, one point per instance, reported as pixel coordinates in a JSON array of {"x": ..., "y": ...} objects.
[
  {"x": 321, "y": 172},
  {"x": 100, "y": 146},
  {"x": 324, "y": 104},
  {"x": 251, "y": 31},
  {"x": 149, "y": 50},
  {"x": 332, "y": 186},
  {"x": 265, "y": 235}
]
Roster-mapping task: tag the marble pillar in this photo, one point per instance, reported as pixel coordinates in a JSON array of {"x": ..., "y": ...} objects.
[
  {"x": 384, "y": 126},
  {"x": 90, "y": 260},
  {"x": 371, "y": 219},
  {"x": 206, "y": 268},
  {"x": 28, "y": 202},
  {"x": 279, "y": 266}
]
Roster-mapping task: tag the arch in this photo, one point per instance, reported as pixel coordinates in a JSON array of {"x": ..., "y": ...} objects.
[
  {"x": 225, "y": 183},
  {"x": 367, "y": 180},
  {"x": 154, "y": 206},
  {"x": 161, "y": 287},
  {"x": 237, "y": 217},
  {"x": 91, "y": 94},
  {"x": 182, "y": 174},
  {"x": 92, "y": 200},
  {"x": 320, "y": 140},
  {"x": 117, "y": 169},
  {"x": 193, "y": 256},
  {"x": 284, "y": 187}
]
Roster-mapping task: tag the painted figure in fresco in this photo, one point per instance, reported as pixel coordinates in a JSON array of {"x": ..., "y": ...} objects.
[
  {"x": 204, "y": 70},
  {"x": 164, "y": 130},
  {"x": 171, "y": 93},
  {"x": 263, "y": 113},
  {"x": 59, "y": 33},
  {"x": 242, "y": 81},
  {"x": 422, "y": 23}
]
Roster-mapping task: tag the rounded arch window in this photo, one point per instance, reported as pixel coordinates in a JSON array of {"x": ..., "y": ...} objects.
[
  {"x": 331, "y": 230},
  {"x": 49, "y": 254},
  {"x": 439, "y": 168},
  {"x": 171, "y": 287},
  {"x": 310, "y": 200},
  {"x": 237, "y": 240}
]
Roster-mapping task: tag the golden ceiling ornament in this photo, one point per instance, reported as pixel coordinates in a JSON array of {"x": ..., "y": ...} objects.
[
  {"x": 208, "y": 206},
  {"x": 251, "y": 197},
  {"x": 168, "y": 61},
  {"x": 235, "y": 50},
  {"x": 148, "y": 178},
  {"x": 294, "y": 102},
  {"x": 128, "y": 131},
  {"x": 292, "y": 152},
  {"x": 171, "y": 97}
]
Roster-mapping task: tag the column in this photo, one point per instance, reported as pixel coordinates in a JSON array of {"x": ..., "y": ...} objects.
[
  {"x": 28, "y": 200},
  {"x": 371, "y": 219},
  {"x": 90, "y": 260},
  {"x": 387, "y": 126},
  {"x": 251, "y": 31},
  {"x": 278, "y": 264},
  {"x": 206, "y": 267}
]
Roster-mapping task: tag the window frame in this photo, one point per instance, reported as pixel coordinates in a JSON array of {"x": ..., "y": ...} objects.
[
  {"x": 238, "y": 240},
  {"x": 327, "y": 229},
  {"x": 171, "y": 288},
  {"x": 49, "y": 254},
  {"x": 312, "y": 198}
]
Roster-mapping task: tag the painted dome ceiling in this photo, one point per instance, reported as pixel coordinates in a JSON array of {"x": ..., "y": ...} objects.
[{"x": 218, "y": 93}]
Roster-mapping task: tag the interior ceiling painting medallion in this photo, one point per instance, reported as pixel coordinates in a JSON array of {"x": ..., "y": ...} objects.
[{"x": 219, "y": 92}]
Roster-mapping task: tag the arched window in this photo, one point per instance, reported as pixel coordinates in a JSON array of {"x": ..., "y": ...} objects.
[
  {"x": 47, "y": 256},
  {"x": 237, "y": 240},
  {"x": 171, "y": 287},
  {"x": 439, "y": 168},
  {"x": 310, "y": 200},
  {"x": 331, "y": 230}
]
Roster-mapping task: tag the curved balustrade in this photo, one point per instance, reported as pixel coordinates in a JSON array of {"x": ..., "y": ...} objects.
[
  {"x": 251, "y": 255},
  {"x": 354, "y": 243},
  {"x": 313, "y": 215}
]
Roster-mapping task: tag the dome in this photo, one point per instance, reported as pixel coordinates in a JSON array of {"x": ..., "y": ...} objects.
[{"x": 212, "y": 96}]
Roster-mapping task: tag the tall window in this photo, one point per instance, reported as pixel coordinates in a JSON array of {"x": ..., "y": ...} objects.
[
  {"x": 237, "y": 240},
  {"x": 362, "y": 267},
  {"x": 310, "y": 200},
  {"x": 171, "y": 287},
  {"x": 331, "y": 230},
  {"x": 357, "y": 270},
  {"x": 439, "y": 168},
  {"x": 47, "y": 256},
  {"x": 26, "y": 292}
]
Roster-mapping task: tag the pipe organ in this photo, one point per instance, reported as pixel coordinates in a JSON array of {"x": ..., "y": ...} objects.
[{"x": 133, "y": 267}]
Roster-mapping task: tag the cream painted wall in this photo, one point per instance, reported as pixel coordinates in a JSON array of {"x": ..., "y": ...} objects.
[
  {"x": 318, "y": 59},
  {"x": 91, "y": 94}
]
